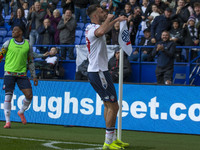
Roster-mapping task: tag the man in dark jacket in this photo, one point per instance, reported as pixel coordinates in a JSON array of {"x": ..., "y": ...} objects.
[
  {"x": 145, "y": 52},
  {"x": 113, "y": 66},
  {"x": 176, "y": 35},
  {"x": 67, "y": 26},
  {"x": 46, "y": 35},
  {"x": 160, "y": 24},
  {"x": 80, "y": 9},
  {"x": 67, "y": 4},
  {"x": 165, "y": 51},
  {"x": 181, "y": 13}
]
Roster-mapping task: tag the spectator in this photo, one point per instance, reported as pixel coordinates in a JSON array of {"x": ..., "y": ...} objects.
[
  {"x": 145, "y": 52},
  {"x": 115, "y": 34},
  {"x": 53, "y": 4},
  {"x": 168, "y": 2},
  {"x": 104, "y": 4},
  {"x": 35, "y": 16},
  {"x": 144, "y": 20},
  {"x": 161, "y": 6},
  {"x": 67, "y": 26},
  {"x": 55, "y": 19},
  {"x": 48, "y": 65},
  {"x": 30, "y": 3},
  {"x": 1, "y": 7},
  {"x": 113, "y": 7},
  {"x": 127, "y": 10},
  {"x": 80, "y": 10},
  {"x": 15, "y": 4},
  {"x": 134, "y": 21},
  {"x": 67, "y": 4},
  {"x": 176, "y": 35},
  {"x": 81, "y": 74},
  {"x": 113, "y": 66},
  {"x": 197, "y": 13},
  {"x": 5, "y": 4},
  {"x": 152, "y": 16},
  {"x": 1, "y": 20},
  {"x": 46, "y": 35},
  {"x": 19, "y": 19},
  {"x": 25, "y": 7},
  {"x": 165, "y": 51},
  {"x": 133, "y": 4},
  {"x": 191, "y": 36},
  {"x": 160, "y": 23},
  {"x": 44, "y": 4},
  {"x": 181, "y": 12}
]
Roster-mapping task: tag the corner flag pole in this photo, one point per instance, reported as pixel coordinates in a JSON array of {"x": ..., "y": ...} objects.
[{"x": 121, "y": 66}]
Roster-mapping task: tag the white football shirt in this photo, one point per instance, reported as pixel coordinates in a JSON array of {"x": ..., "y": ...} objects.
[{"x": 98, "y": 58}]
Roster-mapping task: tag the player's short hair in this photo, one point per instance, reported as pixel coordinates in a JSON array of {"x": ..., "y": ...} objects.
[
  {"x": 92, "y": 8},
  {"x": 21, "y": 28}
]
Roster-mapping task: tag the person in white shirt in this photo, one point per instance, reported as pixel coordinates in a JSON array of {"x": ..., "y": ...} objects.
[{"x": 98, "y": 73}]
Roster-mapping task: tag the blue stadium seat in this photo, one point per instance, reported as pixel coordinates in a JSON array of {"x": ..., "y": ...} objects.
[
  {"x": 6, "y": 38},
  {"x": 1, "y": 40},
  {"x": 79, "y": 33},
  {"x": 59, "y": 4},
  {"x": 3, "y": 32},
  {"x": 61, "y": 10},
  {"x": 9, "y": 34},
  {"x": 83, "y": 40},
  {"x": 80, "y": 26},
  {"x": 86, "y": 24},
  {"x": 77, "y": 40}
]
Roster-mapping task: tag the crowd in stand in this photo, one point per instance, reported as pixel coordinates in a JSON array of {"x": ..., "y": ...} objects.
[{"x": 46, "y": 25}]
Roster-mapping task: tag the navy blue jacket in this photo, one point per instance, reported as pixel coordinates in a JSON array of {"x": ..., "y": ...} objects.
[
  {"x": 160, "y": 24},
  {"x": 50, "y": 30},
  {"x": 165, "y": 58}
]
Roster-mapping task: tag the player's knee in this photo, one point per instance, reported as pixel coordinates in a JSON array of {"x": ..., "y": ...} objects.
[
  {"x": 8, "y": 96},
  {"x": 29, "y": 96}
]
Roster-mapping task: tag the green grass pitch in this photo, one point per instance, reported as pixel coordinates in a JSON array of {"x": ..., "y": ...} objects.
[{"x": 52, "y": 137}]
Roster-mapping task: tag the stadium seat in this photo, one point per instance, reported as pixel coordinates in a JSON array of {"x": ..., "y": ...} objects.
[
  {"x": 77, "y": 40},
  {"x": 6, "y": 38},
  {"x": 86, "y": 25},
  {"x": 78, "y": 33},
  {"x": 80, "y": 26},
  {"x": 83, "y": 40},
  {"x": 1, "y": 40},
  {"x": 9, "y": 34},
  {"x": 61, "y": 10},
  {"x": 3, "y": 32}
]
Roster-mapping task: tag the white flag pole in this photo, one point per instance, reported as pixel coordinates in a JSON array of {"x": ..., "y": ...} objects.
[{"x": 121, "y": 66}]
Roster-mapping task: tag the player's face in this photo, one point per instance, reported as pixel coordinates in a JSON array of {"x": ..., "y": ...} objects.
[
  {"x": 16, "y": 32},
  {"x": 101, "y": 14},
  {"x": 165, "y": 36}
]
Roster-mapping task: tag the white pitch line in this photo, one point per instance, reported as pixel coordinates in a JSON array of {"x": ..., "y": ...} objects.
[{"x": 49, "y": 143}]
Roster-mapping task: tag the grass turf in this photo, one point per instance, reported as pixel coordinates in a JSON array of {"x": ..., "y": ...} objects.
[{"x": 137, "y": 140}]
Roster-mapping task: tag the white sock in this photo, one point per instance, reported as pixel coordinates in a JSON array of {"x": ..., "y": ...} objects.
[
  {"x": 109, "y": 135},
  {"x": 115, "y": 135},
  {"x": 7, "y": 105},
  {"x": 7, "y": 110},
  {"x": 26, "y": 103}
]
